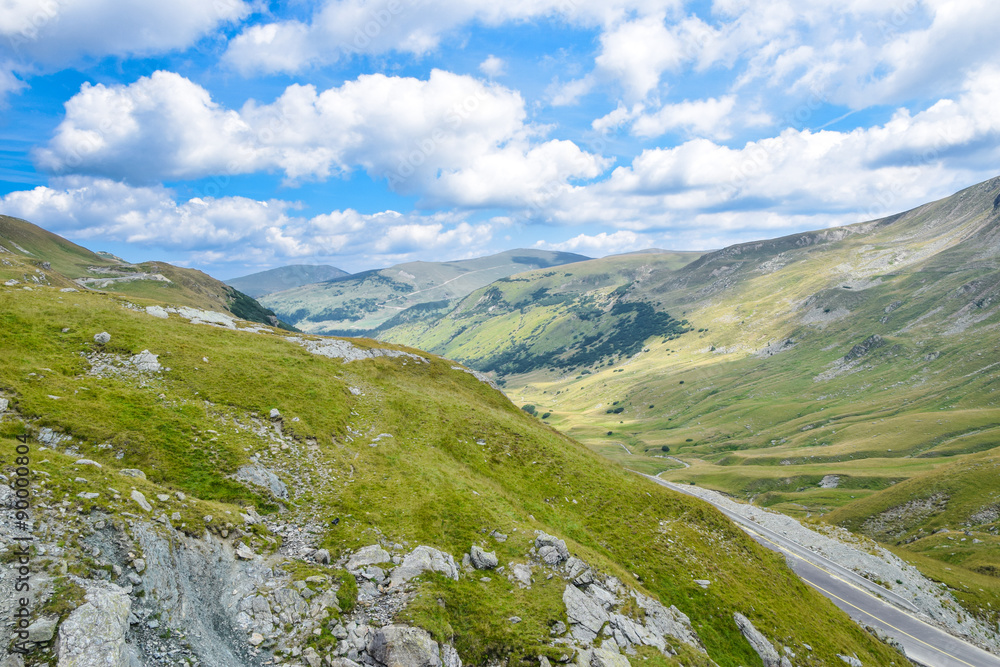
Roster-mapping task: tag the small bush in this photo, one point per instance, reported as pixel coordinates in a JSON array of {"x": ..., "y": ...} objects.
[{"x": 529, "y": 408}]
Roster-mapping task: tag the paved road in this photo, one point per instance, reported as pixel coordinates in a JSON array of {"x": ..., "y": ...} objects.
[{"x": 866, "y": 601}]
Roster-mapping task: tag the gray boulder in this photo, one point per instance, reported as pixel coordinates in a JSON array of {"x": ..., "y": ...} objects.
[
  {"x": 132, "y": 472},
  {"x": 551, "y": 549},
  {"x": 365, "y": 556},
  {"x": 4, "y": 404},
  {"x": 603, "y": 657},
  {"x": 94, "y": 633},
  {"x": 141, "y": 501},
  {"x": 420, "y": 560},
  {"x": 102, "y": 338},
  {"x": 403, "y": 646},
  {"x": 758, "y": 642},
  {"x": 43, "y": 630},
  {"x": 258, "y": 475},
  {"x": 520, "y": 574},
  {"x": 483, "y": 560}
]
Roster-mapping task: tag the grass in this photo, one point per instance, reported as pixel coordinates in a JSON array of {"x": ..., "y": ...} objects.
[
  {"x": 431, "y": 483},
  {"x": 920, "y": 408}
]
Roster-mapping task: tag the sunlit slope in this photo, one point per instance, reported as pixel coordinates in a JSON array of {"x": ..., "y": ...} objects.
[
  {"x": 568, "y": 317},
  {"x": 867, "y": 355},
  {"x": 31, "y": 256},
  {"x": 402, "y": 448},
  {"x": 362, "y": 303}
]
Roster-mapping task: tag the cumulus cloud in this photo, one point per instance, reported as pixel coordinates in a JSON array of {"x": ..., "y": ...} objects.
[
  {"x": 800, "y": 178},
  {"x": 452, "y": 138},
  {"x": 55, "y": 33},
  {"x": 341, "y": 29},
  {"x": 238, "y": 230},
  {"x": 493, "y": 66},
  {"x": 601, "y": 244},
  {"x": 909, "y": 152}
]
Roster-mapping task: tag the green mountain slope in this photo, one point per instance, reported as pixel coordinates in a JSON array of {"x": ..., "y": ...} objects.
[
  {"x": 137, "y": 496},
  {"x": 284, "y": 278},
  {"x": 34, "y": 256},
  {"x": 817, "y": 370},
  {"x": 362, "y": 303},
  {"x": 567, "y": 318}
]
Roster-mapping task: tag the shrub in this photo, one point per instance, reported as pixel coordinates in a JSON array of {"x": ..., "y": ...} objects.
[{"x": 529, "y": 408}]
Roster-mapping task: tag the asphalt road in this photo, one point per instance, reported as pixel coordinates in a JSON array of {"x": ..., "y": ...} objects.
[{"x": 866, "y": 601}]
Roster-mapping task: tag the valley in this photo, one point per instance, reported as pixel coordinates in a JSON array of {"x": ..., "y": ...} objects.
[
  {"x": 209, "y": 490},
  {"x": 846, "y": 376}
]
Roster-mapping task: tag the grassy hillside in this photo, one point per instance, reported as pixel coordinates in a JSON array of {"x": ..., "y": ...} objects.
[
  {"x": 396, "y": 448},
  {"x": 866, "y": 355},
  {"x": 283, "y": 278},
  {"x": 363, "y": 304},
  {"x": 572, "y": 317},
  {"x": 33, "y": 256}
]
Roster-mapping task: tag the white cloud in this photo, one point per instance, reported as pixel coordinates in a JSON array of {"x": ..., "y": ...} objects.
[
  {"x": 493, "y": 66},
  {"x": 799, "y": 178},
  {"x": 342, "y": 28},
  {"x": 637, "y": 53},
  {"x": 54, "y": 33},
  {"x": 452, "y": 138},
  {"x": 601, "y": 244},
  {"x": 237, "y": 230},
  {"x": 9, "y": 83},
  {"x": 705, "y": 118}
]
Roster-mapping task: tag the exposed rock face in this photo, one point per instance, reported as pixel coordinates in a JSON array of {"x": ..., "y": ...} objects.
[
  {"x": 521, "y": 574},
  {"x": 342, "y": 349},
  {"x": 483, "y": 560},
  {"x": 759, "y": 642},
  {"x": 829, "y": 482},
  {"x": 141, "y": 501},
  {"x": 94, "y": 633},
  {"x": 258, "y": 475},
  {"x": 602, "y": 657},
  {"x": 403, "y": 646},
  {"x": 551, "y": 549},
  {"x": 861, "y": 349},
  {"x": 586, "y": 615},
  {"x": 423, "y": 559},
  {"x": 365, "y": 556}
]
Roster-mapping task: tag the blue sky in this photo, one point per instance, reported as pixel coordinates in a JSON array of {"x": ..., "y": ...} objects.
[{"x": 235, "y": 136}]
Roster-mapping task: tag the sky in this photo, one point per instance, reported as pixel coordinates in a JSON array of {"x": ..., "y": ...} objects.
[{"x": 234, "y": 136}]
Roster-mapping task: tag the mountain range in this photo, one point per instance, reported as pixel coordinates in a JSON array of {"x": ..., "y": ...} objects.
[
  {"x": 210, "y": 490},
  {"x": 364, "y": 303},
  {"x": 368, "y": 498}
]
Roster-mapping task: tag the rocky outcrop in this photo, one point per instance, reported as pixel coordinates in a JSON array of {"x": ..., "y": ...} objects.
[
  {"x": 94, "y": 633},
  {"x": 365, "y": 556},
  {"x": 403, "y": 646},
  {"x": 259, "y": 476},
  {"x": 551, "y": 549},
  {"x": 420, "y": 560},
  {"x": 759, "y": 643},
  {"x": 483, "y": 560}
]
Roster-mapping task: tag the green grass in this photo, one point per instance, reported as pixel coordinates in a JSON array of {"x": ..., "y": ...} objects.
[{"x": 431, "y": 483}]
